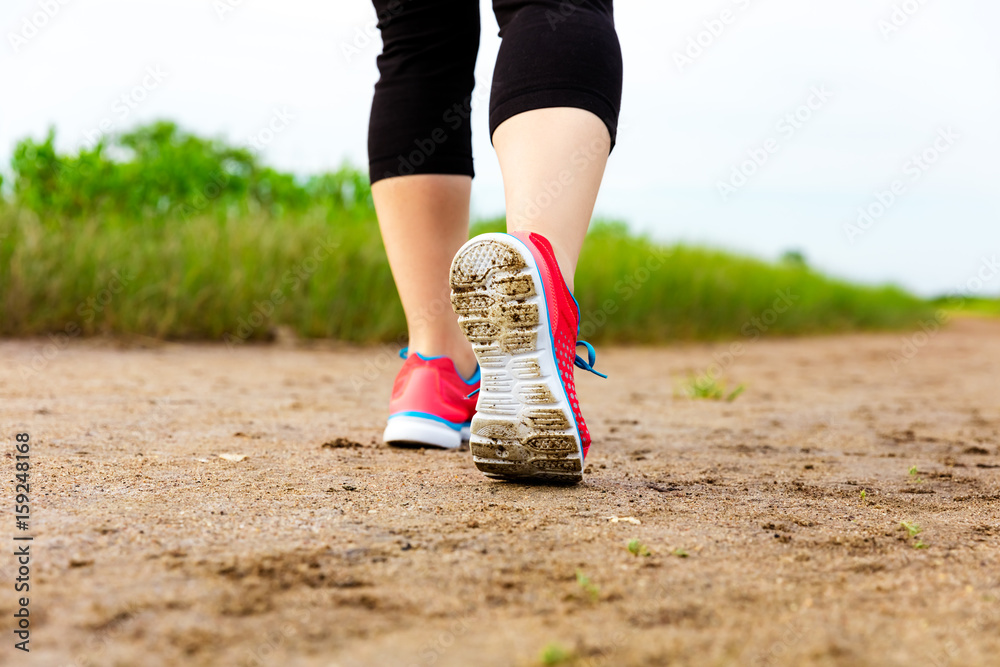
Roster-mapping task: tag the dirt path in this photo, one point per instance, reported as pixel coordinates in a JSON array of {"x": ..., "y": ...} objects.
[{"x": 150, "y": 549}]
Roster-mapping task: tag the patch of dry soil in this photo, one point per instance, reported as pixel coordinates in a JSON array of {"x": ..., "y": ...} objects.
[{"x": 323, "y": 547}]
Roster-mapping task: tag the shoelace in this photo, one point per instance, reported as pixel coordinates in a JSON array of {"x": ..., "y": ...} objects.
[{"x": 586, "y": 364}]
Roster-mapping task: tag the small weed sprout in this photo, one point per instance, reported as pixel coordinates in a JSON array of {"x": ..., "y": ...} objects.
[
  {"x": 555, "y": 654},
  {"x": 591, "y": 589},
  {"x": 637, "y": 548},
  {"x": 913, "y": 530},
  {"x": 706, "y": 386}
]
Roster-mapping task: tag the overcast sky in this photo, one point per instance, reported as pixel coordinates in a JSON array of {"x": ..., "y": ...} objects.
[{"x": 903, "y": 94}]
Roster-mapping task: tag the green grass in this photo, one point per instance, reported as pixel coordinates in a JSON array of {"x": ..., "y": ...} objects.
[
  {"x": 649, "y": 292},
  {"x": 323, "y": 275},
  {"x": 189, "y": 238},
  {"x": 968, "y": 305},
  {"x": 202, "y": 277}
]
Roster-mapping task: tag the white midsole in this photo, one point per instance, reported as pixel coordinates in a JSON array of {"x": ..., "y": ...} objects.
[{"x": 406, "y": 428}]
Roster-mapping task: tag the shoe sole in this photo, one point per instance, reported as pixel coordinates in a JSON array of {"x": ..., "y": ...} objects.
[
  {"x": 407, "y": 431},
  {"x": 524, "y": 427}
]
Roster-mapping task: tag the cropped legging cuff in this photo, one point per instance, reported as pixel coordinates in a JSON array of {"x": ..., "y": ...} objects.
[{"x": 553, "y": 53}]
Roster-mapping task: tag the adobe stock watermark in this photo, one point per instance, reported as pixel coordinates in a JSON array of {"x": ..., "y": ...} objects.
[
  {"x": 627, "y": 287},
  {"x": 580, "y": 159},
  {"x": 87, "y": 310},
  {"x": 913, "y": 170},
  {"x": 969, "y": 629},
  {"x": 225, "y": 7},
  {"x": 793, "y": 633},
  {"x": 126, "y": 103},
  {"x": 900, "y": 16},
  {"x": 786, "y": 127},
  {"x": 712, "y": 30},
  {"x": 387, "y": 352},
  {"x": 108, "y": 633},
  {"x": 606, "y": 654},
  {"x": 438, "y": 645},
  {"x": 452, "y": 119},
  {"x": 292, "y": 279},
  {"x": 752, "y": 329},
  {"x": 366, "y": 35},
  {"x": 209, "y": 192},
  {"x": 910, "y": 346},
  {"x": 280, "y": 120},
  {"x": 34, "y": 23},
  {"x": 272, "y": 641},
  {"x": 566, "y": 9}
]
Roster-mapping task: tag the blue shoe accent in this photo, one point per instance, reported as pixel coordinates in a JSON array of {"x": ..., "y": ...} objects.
[
  {"x": 472, "y": 380},
  {"x": 588, "y": 364},
  {"x": 405, "y": 352},
  {"x": 455, "y": 426}
]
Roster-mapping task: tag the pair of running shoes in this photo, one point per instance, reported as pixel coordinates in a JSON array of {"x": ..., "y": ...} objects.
[{"x": 519, "y": 411}]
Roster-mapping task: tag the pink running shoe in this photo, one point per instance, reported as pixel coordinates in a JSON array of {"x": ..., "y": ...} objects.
[
  {"x": 431, "y": 403},
  {"x": 522, "y": 320}
]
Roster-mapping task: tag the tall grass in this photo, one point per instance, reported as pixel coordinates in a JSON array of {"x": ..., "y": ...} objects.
[
  {"x": 327, "y": 276},
  {"x": 147, "y": 245}
]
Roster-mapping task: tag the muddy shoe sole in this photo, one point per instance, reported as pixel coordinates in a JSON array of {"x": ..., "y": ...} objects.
[{"x": 524, "y": 427}]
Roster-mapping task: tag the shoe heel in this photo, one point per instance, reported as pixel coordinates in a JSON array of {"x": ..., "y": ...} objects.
[{"x": 523, "y": 428}]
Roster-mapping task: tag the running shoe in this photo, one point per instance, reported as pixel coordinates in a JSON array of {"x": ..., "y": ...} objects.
[
  {"x": 522, "y": 320},
  {"x": 432, "y": 404}
]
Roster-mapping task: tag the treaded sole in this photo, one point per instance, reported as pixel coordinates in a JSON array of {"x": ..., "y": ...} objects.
[{"x": 524, "y": 427}]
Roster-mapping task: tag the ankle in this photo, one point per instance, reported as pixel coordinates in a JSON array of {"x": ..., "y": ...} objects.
[{"x": 460, "y": 353}]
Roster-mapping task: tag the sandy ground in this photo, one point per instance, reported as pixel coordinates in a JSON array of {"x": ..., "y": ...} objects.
[{"x": 323, "y": 547}]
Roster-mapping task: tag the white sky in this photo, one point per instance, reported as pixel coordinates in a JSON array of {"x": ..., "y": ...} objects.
[{"x": 683, "y": 131}]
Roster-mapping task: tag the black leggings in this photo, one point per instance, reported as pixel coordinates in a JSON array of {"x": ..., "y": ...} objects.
[{"x": 554, "y": 53}]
